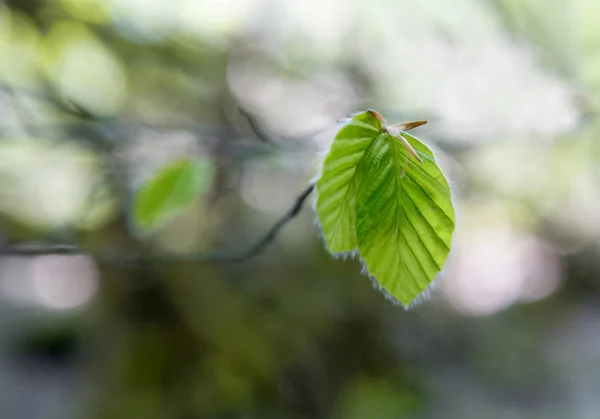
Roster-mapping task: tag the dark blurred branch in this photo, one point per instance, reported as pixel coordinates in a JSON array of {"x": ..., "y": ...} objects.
[
  {"x": 100, "y": 131},
  {"x": 41, "y": 250},
  {"x": 255, "y": 127},
  {"x": 270, "y": 236},
  {"x": 85, "y": 126},
  {"x": 140, "y": 260},
  {"x": 80, "y": 119},
  {"x": 262, "y": 135}
]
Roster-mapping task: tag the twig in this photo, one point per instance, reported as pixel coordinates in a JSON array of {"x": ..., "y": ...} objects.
[
  {"x": 93, "y": 127},
  {"x": 270, "y": 236},
  {"x": 298, "y": 142},
  {"x": 256, "y": 128},
  {"x": 140, "y": 260},
  {"x": 29, "y": 250}
]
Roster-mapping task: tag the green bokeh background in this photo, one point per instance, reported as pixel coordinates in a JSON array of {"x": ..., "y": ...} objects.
[{"x": 96, "y": 96}]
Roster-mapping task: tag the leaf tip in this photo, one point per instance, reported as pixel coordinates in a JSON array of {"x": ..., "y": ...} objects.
[
  {"x": 406, "y": 304},
  {"x": 379, "y": 117}
]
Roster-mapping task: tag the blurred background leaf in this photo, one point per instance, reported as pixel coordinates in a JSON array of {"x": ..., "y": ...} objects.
[{"x": 171, "y": 190}]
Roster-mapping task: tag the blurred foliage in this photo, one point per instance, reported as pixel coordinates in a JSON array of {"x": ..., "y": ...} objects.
[
  {"x": 96, "y": 96},
  {"x": 171, "y": 190}
]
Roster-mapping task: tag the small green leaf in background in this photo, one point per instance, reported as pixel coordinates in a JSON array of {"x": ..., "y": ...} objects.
[
  {"x": 172, "y": 189},
  {"x": 376, "y": 199}
]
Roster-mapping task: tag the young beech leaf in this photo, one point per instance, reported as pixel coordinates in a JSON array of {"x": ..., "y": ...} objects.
[
  {"x": 375, "y": 198},
  {"x": 172, "y": 189}
]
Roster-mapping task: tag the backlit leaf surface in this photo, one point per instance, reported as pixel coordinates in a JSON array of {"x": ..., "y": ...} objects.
[{"x": 397, "y": 215}]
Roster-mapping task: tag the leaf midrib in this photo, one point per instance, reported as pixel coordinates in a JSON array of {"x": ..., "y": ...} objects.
[{"x": 400, "y": 213}]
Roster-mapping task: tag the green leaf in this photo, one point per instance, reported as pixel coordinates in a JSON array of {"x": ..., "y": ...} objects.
[
  {"x": 172, "y": 189},
  {"x": 336, "y": 188},
  {"x": 375, "y": 199}
]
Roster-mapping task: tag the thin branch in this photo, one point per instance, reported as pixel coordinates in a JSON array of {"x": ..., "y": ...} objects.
[
  {"x": 92, "y": 128},
  {"x": 256, "y": 128},
  {"x": 29, "y": 250},
  {"x": 81, "y": 120},
  {"x": 252, "y": 251},
  {"x": 140, "y": 261},
  {"x": 113, "y": 124},
  {"x": 270, "y": 236},
  {"x": 287, "y": 143}
]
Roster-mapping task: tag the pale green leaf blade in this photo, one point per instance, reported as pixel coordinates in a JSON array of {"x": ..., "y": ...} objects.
[
  {"x": 404, "y": 221},
  {"x": 336, "y": 203},
  {"x": 172, "y": 189}
]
